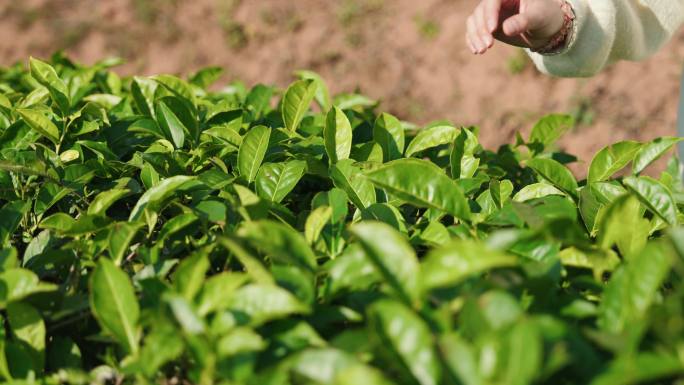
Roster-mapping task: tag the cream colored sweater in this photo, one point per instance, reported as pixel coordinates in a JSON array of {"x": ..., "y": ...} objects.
[{"x": 607, "y": 31}]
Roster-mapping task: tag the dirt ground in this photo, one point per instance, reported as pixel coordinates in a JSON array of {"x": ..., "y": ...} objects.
[{"x": 409, "y": 54}]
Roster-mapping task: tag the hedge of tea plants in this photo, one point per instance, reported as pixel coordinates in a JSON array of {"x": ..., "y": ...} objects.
[{"x": 159, "y": 230}]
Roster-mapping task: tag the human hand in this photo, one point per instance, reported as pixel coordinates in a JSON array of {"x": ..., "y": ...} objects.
[{"x": 523, "y": 23}]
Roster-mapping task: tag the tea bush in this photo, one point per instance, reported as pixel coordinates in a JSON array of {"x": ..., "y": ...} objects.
[{"x": 154, "y": 231}]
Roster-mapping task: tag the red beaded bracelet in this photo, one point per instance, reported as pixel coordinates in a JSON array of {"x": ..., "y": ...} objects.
[{"x": 558, "y": 42}]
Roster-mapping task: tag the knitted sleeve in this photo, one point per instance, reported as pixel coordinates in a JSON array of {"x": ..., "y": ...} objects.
[{"x": 607, "y": 31}]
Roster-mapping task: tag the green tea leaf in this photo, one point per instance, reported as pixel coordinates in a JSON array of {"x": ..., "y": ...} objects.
[
  {"x": 121, "y": 235},
  {"x": 389, "y": 134},
  {"x": 423, "y": 184},
  {"x": 17, "y": 284},
  {"x": 28, "y": 326},
  {"x": 361, "y": 374},
  {"x": 206, "y": 76},
  {"x": 262, "y": 303},
  {"x": 105, "y": 200},
  {"x": 322, "y": 365},
  {"x": 655, "y": 196},
  {"x": 315, "y": 223},
  {"x": 431, "y": 137},
  {"x": 258, "y": 99},
  {"x": 178, "y": 87},
  {"x": 463, "y": 162},
  {"x": 254, "y": 268},
  {"x": 535, "y": 191},
  {"x": 460, "y": 359},
  {"x": 162, "y": 345},
  {"x": 143, "y": 90},
  {"x": 651, "y": 151},
  {"x": 113, "y": 303},
  {"x": 240, "y": 340},
  {"x": 87, "y": 224},
  {"x": 405, "y": 333},
  {"x": 548, "y": 130},
  {"x": 351, "y": 270},
  {"x": 458, "y": 260},
  {"x": 11, "y": 214},
  {"x": 640, "y": 368},
  {"x": 280, "y": 242},
  {"x": 383, "y": 212},
  {"x": 590, "y": 209},
  {"x": 48, "y": 78},
  {"x": 623, "y": 224},
  {"x": 153, "y": 198},
  {"x": 392, "y": 257},
  {"x": 599, "y": 261},
  {"x": 69, "y": 156},
  {"x": 555, "y": 173},
  {"x": 8, "y": 259},
  {"x": 275, "y": 180},
  {"x": 337, "y": 135},
  {"x": 18, "y": 136},
  {"x": 607, "y": 192},
  {"x": 5, "y": 104},
  {"x": 322, "y": 94},
  {"x": 633, "y": 288},
  {"x": 171, "y": 125},
  {"x": 252, "y": 151},
  {"x": 189, "y": 276},
  {"x": 296, "y": 102},
  {"x": 526, "y": 351},
  {"x": 216, "y": 291},
  {"x": 367, "y": 152},
  {"x": 38, "y": 122},
  {"x": 349, "y": 178},
  {"x": 175, "y": 225},
  {"x": 612, "y": 159},
  {"x": 184, "y": 314}
]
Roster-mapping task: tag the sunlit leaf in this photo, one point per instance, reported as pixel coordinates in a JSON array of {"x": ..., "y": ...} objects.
[
  {"x": 337, "y": 135},
  {"x": 252, "y": 151},
  {"x": 431, "y": 137},
  {"x": 421, "y": 183},
  {"x": 113, "y": 303},
  {"x": 405, "y": 333},
  {"x": 612, "y": 159},
  {"x": 296, "y": 102},
  {"x": 392, "y": 257},
  {"x": 454, "y": 262},
  {"x": 275, "y": 180},
  {"x": 389, "y": 134}
]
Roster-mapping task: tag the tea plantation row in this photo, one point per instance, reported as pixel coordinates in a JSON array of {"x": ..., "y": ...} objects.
[{"x": 154, "y": 231}]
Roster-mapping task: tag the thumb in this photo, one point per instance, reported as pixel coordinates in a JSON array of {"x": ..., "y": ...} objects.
[{"x": 516, "y": 25}]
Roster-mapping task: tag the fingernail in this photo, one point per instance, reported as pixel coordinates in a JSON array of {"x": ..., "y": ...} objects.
[{"x": 489, "y": 41}]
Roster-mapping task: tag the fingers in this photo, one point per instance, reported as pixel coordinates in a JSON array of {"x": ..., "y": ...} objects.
[
  {"x": 476, "y": 43},
  {"x": 491, "y": 10},
  {"x": 516, "y": 25},
  {"x": 481, "y": 24}
]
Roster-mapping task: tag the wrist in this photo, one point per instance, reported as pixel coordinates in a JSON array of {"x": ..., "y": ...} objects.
[{"x": 558, "y": 41}]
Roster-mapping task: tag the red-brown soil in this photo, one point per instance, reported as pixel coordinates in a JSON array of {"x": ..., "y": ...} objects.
[{"x": 408, "y": 54}]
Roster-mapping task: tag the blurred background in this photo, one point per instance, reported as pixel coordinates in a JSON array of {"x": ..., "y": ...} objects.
[{"x": 408, "y": 54}]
